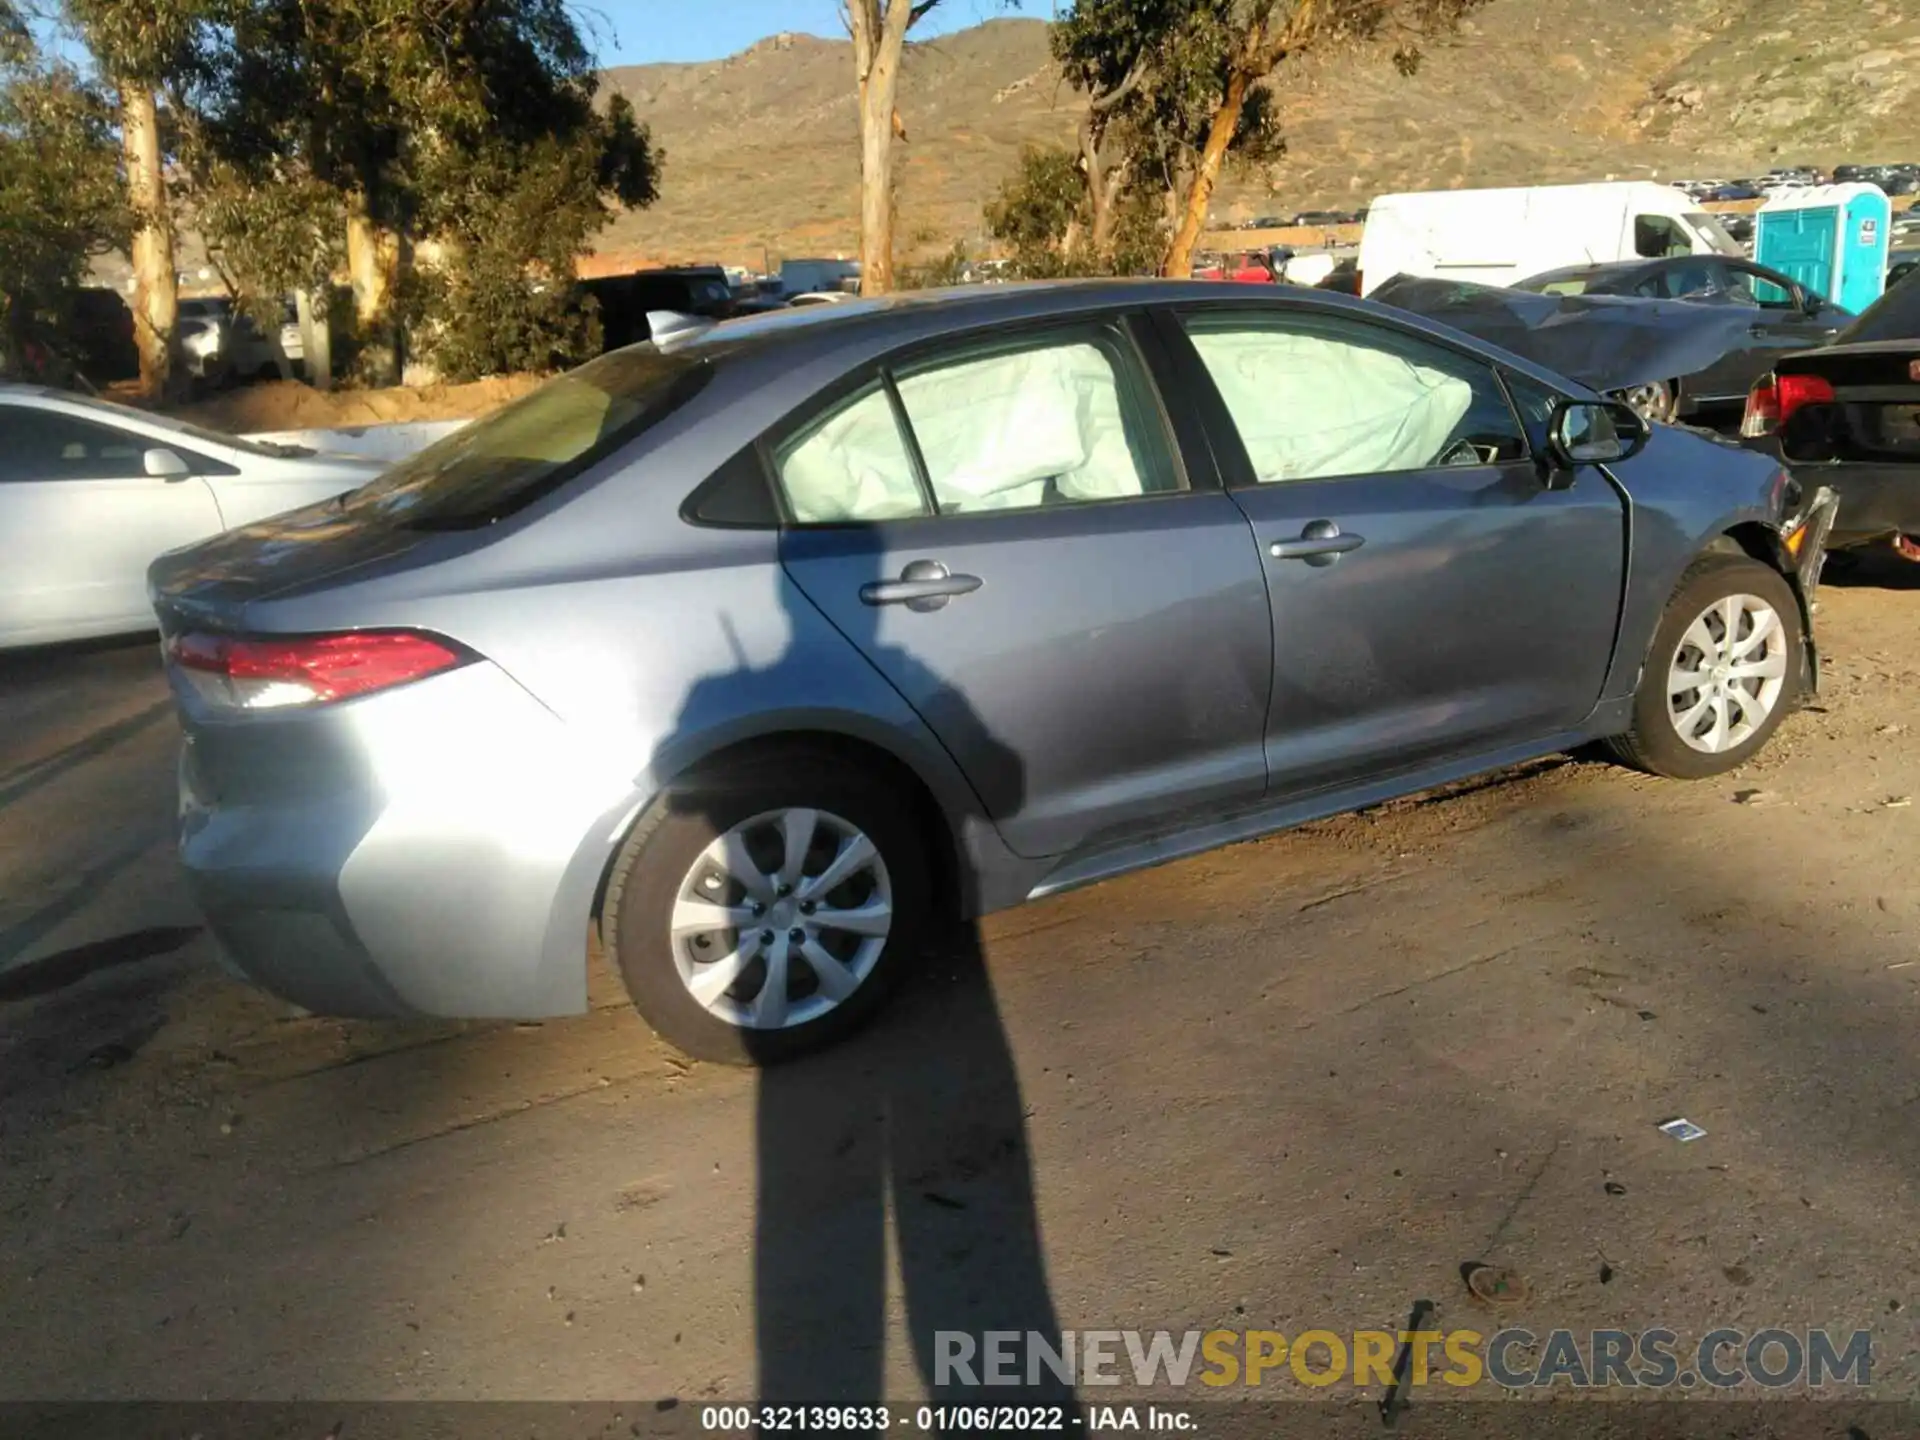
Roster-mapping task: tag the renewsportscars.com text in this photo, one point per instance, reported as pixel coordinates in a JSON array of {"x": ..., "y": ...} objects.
[{"x": 1515, "y": 1358}]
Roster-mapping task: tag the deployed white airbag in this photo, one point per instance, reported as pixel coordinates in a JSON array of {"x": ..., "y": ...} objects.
[
  {"x": 854, "y": 467},
  {"x": 1309, "y": 406},
  {"x": 995, "y": 431}
]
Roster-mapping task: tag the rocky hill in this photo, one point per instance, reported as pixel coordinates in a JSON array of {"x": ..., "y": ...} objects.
[{"x": 762, "y": 160}]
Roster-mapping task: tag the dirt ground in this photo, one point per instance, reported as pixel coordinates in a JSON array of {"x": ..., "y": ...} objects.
[
  {"x": 1297, "y": 1083},
  {"x": 291, "y": 405}
]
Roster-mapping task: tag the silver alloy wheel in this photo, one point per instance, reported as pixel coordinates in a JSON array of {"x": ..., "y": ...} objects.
[
  {"x": 781, "y": 918},
  {"x": 1727, "y": 674},
  {"x": 1652, "y": 401}
]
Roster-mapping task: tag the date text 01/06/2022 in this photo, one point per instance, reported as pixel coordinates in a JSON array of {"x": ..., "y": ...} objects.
[{"x": 938, "y": 1419}]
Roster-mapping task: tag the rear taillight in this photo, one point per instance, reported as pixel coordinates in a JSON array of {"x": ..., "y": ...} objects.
[
  {"x": 1763, "y": 409},
  {"x": 1774, "y": 398},
  {"x": 272, "y": 672},
  {"x": 1796, "y": 392}
]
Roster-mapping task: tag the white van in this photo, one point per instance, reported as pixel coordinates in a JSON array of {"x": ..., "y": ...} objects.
[{"x": 1500, "y": 237}]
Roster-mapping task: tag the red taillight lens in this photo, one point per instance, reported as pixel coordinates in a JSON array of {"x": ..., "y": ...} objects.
[
  {"x": 1763, "y": 409},
  {"x": 1796, "y": 392},
  {"x": 270, "y": 673}
]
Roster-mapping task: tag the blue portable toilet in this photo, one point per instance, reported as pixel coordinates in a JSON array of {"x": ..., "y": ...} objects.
[{"x": 1833, "y": 239}]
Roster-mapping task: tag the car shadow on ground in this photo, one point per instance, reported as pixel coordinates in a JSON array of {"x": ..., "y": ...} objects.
[{"x": 1876, "y": 568}]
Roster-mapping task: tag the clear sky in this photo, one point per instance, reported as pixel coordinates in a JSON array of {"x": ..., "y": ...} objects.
[{"x": 637, "y": 32}]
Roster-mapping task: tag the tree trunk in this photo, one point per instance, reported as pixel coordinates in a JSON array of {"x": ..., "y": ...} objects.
[
  {"x": 1106, "y": 202},
  {"x": 156, "y": 293},
  {"x": 1226, "y": 121},
  {"x": 879, "y": 41},
  {"x": 1098, "y": 208},
  {"x": 372, "y": 261},
  {"x": 316, "y": 336}
]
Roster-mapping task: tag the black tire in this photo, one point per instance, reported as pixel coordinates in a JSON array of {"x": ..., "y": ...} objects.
[
  {"x": 1653, "y": 743},
  {"x": 662, "y": 849}
]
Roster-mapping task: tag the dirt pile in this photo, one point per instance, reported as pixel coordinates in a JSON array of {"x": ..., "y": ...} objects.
[{"x": 290, "y": 405}]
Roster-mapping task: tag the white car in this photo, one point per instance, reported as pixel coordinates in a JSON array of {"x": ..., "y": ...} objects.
[{"x": 92, "y": 493}]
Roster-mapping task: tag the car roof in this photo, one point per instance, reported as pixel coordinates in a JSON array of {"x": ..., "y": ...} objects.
[{"x": 840, "y": 338}]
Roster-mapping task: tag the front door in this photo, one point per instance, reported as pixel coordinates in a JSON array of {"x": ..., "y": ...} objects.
[
  {"x": 80, "y": 521},
  {"x": 1431, "y": 596},
  {"x": 1779, "y": 324},
  {"x": 1005, "y": 531}
]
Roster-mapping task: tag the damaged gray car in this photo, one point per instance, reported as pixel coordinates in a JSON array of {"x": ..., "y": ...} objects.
[
  {"x": 765, "y": 646},
  {"x": 1606, "y": 326}
]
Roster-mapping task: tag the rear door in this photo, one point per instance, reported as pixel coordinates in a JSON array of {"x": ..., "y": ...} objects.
[
  {"x": 80, "y": 520},
  {"x": 1007, "y": 530},
  {"x": 1431, "y": 596}
]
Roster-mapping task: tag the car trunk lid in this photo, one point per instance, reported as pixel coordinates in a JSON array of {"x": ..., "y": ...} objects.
[{"x": 1874, "y": 412}]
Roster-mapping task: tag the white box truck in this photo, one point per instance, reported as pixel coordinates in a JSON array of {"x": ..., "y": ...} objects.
[{"x": 1500, "y": 237}]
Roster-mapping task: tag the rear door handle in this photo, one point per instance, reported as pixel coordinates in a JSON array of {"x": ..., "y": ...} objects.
[
  {"x": 923, "y": 585},
  {"x": 1321, "y": 542}
]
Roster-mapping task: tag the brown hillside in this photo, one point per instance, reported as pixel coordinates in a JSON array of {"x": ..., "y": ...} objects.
[{"x": 761, "y": 154}]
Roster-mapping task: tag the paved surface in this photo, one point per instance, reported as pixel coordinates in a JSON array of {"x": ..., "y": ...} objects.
[{"x": 1297, "y": 1083}]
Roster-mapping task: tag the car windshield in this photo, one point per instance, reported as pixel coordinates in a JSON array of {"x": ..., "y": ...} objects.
[
  {"x": 1894, "y": 316},
  {"x": 1709, "y": 225},
  {"x": 489, "y": 469}
]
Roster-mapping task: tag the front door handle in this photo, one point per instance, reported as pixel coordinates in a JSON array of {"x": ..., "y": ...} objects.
[
  {"x": 923, "y": 585},
  {"x": 1321, "y": 542}
]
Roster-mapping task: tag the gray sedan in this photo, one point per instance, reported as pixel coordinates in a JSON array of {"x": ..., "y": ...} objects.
[{"x": 765, "y": 647}]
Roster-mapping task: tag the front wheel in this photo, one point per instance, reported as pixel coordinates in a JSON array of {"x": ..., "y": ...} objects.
[
  {"x": 1721, "y": 674},
  {"x": 1656, "y": 402},
  {"x": 764, "y": 912}
]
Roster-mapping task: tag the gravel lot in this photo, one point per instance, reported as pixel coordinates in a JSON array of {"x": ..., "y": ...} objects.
[{"x": 1299, "y": 1083}]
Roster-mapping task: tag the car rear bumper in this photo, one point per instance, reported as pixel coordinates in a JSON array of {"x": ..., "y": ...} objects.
[
  {"x": 1875, "y": 500},
  {"x": 429, "y": 851}
]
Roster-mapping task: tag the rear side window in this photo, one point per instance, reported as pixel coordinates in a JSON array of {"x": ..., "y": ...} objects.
[
  {"x": 45, "y": 445},
  {"x": 496, "y": 466},
  {"x": 852, "y": 464},
  {"x": 1047, "y": 425},
  {"x": 1315, "y": 399},
  {"x": 1061, "y": 419}
]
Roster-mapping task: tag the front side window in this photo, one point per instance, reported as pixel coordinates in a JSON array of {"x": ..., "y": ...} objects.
[
  {"x": 46, "y": 445},
  {"x": 1019, "y": 425},
  {"x": 1315, "y": 399},
  {"x": 1757, "y": 288}
]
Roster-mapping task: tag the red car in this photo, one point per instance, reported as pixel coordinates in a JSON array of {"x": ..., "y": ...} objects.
[{"x": 1248, "y": 267}]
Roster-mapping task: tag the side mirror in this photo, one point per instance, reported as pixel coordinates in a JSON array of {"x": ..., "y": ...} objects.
[
  {"x": 1595, "y": 432},
  {"x": 165, "y": 464}
]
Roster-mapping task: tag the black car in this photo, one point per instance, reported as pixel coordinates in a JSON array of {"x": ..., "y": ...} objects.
[
  {"x": 1319, "y": 219},
  {"x": 626, "y": 300},
  {"x": 1848, "y": 416},
  {"x": 1786, "y": 315}
]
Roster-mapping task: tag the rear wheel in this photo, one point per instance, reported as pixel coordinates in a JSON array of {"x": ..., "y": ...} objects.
[
  {"x": 1722, "y": 673},
  {"x": 765, "y": 912}
]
